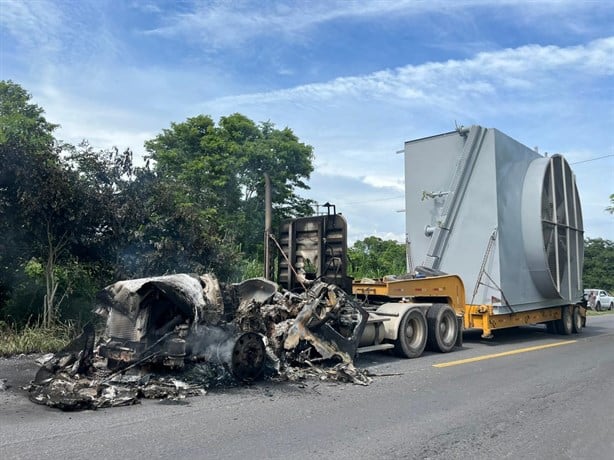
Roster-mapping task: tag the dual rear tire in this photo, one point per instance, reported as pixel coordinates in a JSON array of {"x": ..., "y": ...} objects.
[
  {"x": 443, "y": 328},
  {"x": 565, "y": 324},
  {"x": 411, "y": 337},
  {"x": 577, "y": 320},
  {"x": 571, "y": 322},
  {"x": 438, "y": 329}
]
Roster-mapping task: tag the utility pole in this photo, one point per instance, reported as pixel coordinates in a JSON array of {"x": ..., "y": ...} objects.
[{"x": 268, "y": 211}]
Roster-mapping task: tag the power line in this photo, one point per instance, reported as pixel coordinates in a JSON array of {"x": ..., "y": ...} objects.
[
  {"x": 593, "y": 159},
  {"x": 402, "y": 196}
]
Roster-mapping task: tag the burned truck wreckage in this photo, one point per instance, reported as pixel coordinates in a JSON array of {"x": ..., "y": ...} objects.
[
  {"x": 176, "y": 335},
  {"x": 166, "y": 320}
]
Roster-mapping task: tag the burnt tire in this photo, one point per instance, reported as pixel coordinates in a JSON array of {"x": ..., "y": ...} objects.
[
  {"x": 114, "y": 364},
  {"x": 442, "y": 328},
  {"x": 577, "y": 322},
  {"x": 565, "y": 324},
  {"x": 412, "y": 334}
]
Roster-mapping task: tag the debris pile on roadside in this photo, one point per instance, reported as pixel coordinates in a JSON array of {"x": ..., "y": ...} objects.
[{"x": 177, "y": 335}]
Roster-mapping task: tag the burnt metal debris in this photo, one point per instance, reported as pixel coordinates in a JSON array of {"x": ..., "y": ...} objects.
[{"x": 174, "y": 336}]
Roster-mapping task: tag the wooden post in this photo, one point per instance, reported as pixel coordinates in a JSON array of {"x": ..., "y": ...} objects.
[{"x": 268, "y": 211}]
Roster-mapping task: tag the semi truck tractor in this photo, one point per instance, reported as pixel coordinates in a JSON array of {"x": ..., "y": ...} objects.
[{"x": 494, "y": 240}]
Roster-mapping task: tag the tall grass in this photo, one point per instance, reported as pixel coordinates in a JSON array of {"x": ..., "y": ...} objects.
[
  {"x": 34, "y": 339},
  {"x": 599, "y": 313}
]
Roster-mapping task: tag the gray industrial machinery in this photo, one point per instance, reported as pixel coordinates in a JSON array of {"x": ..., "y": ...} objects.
[{"x": 504, "y": 218}]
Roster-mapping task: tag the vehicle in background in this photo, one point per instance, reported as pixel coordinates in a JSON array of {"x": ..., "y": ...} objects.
[{"x": 598, "y": 299}]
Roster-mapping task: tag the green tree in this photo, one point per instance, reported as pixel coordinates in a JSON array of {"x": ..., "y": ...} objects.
[
  {"x": 209, "y": 186},
  {"x": 375, "y": 258},
  {"x": 598, "y": 270},
  {"x": 108, "y": 185},
  {"x": 74, "y": 218},
  {"x": 48, "y": 215},
  {"x": 51, "y": 210},
  {"x": 29, "y": 158},
  {"x": 289, "y": 163},
  {"x": 610, "y": 208},
  {"x": 26, "y": 140}
]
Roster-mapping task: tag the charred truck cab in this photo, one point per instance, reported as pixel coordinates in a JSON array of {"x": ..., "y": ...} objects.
[
  {"x": 151, "y": 317},
  {"x": 169, "y": 320}
]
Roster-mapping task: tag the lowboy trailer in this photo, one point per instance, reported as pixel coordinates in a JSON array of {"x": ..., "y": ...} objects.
[{"x": 482, "y": 210}]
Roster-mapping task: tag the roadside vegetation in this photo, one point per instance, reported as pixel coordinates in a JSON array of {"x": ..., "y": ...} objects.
[
  {"x": 74, "y": 218},
  {"x": 599, "y": 313},
  {"x": 34, "y": 338},
  {"x": 376, "y": 258},
  {"x": 598, "y": 264}
]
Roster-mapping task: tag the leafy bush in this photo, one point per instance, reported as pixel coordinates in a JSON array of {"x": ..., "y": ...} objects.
[{"x": 598, "y": 264}]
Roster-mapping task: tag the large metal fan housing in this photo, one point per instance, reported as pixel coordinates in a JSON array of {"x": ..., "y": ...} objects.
[{"x": 504, "y": 218}]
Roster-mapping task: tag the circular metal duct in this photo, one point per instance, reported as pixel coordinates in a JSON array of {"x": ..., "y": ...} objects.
[{"x": 552, "y": 228}]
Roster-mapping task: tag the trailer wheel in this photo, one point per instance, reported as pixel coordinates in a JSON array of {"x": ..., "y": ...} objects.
[
  {"x": 577, "y": 320},
  {"x": 442, "y": 327},
  {"x": 412, "y": 333},
  {"x": 565, "y": 324}
]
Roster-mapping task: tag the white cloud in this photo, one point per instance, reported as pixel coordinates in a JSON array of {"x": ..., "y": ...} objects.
[
  {"x": 556, "y": 97},
  {"x": 218, "y": 24},
  {"x": 534, "y": 93},
  {"x": 389, "y": 182},
  {"x": 34, "y": 24},
  {"x": 351, "y": 116},
  {"x": 356, "y": 124},
  {"x": 58, "y": 44},
  {"x": 437, "y": 82}
]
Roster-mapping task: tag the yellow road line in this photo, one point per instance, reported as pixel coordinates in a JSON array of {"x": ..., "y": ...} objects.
[{"x": 505, "y": 353}]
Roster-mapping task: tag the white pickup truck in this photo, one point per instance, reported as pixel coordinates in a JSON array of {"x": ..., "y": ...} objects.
[{"x": 599, "y": 300}]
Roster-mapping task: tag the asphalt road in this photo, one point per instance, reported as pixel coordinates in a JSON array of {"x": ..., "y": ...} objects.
[{"x": 548, "y": 403}]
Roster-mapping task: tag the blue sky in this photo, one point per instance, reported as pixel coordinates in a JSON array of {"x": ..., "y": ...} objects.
[{"x": 353, "y": 79}]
